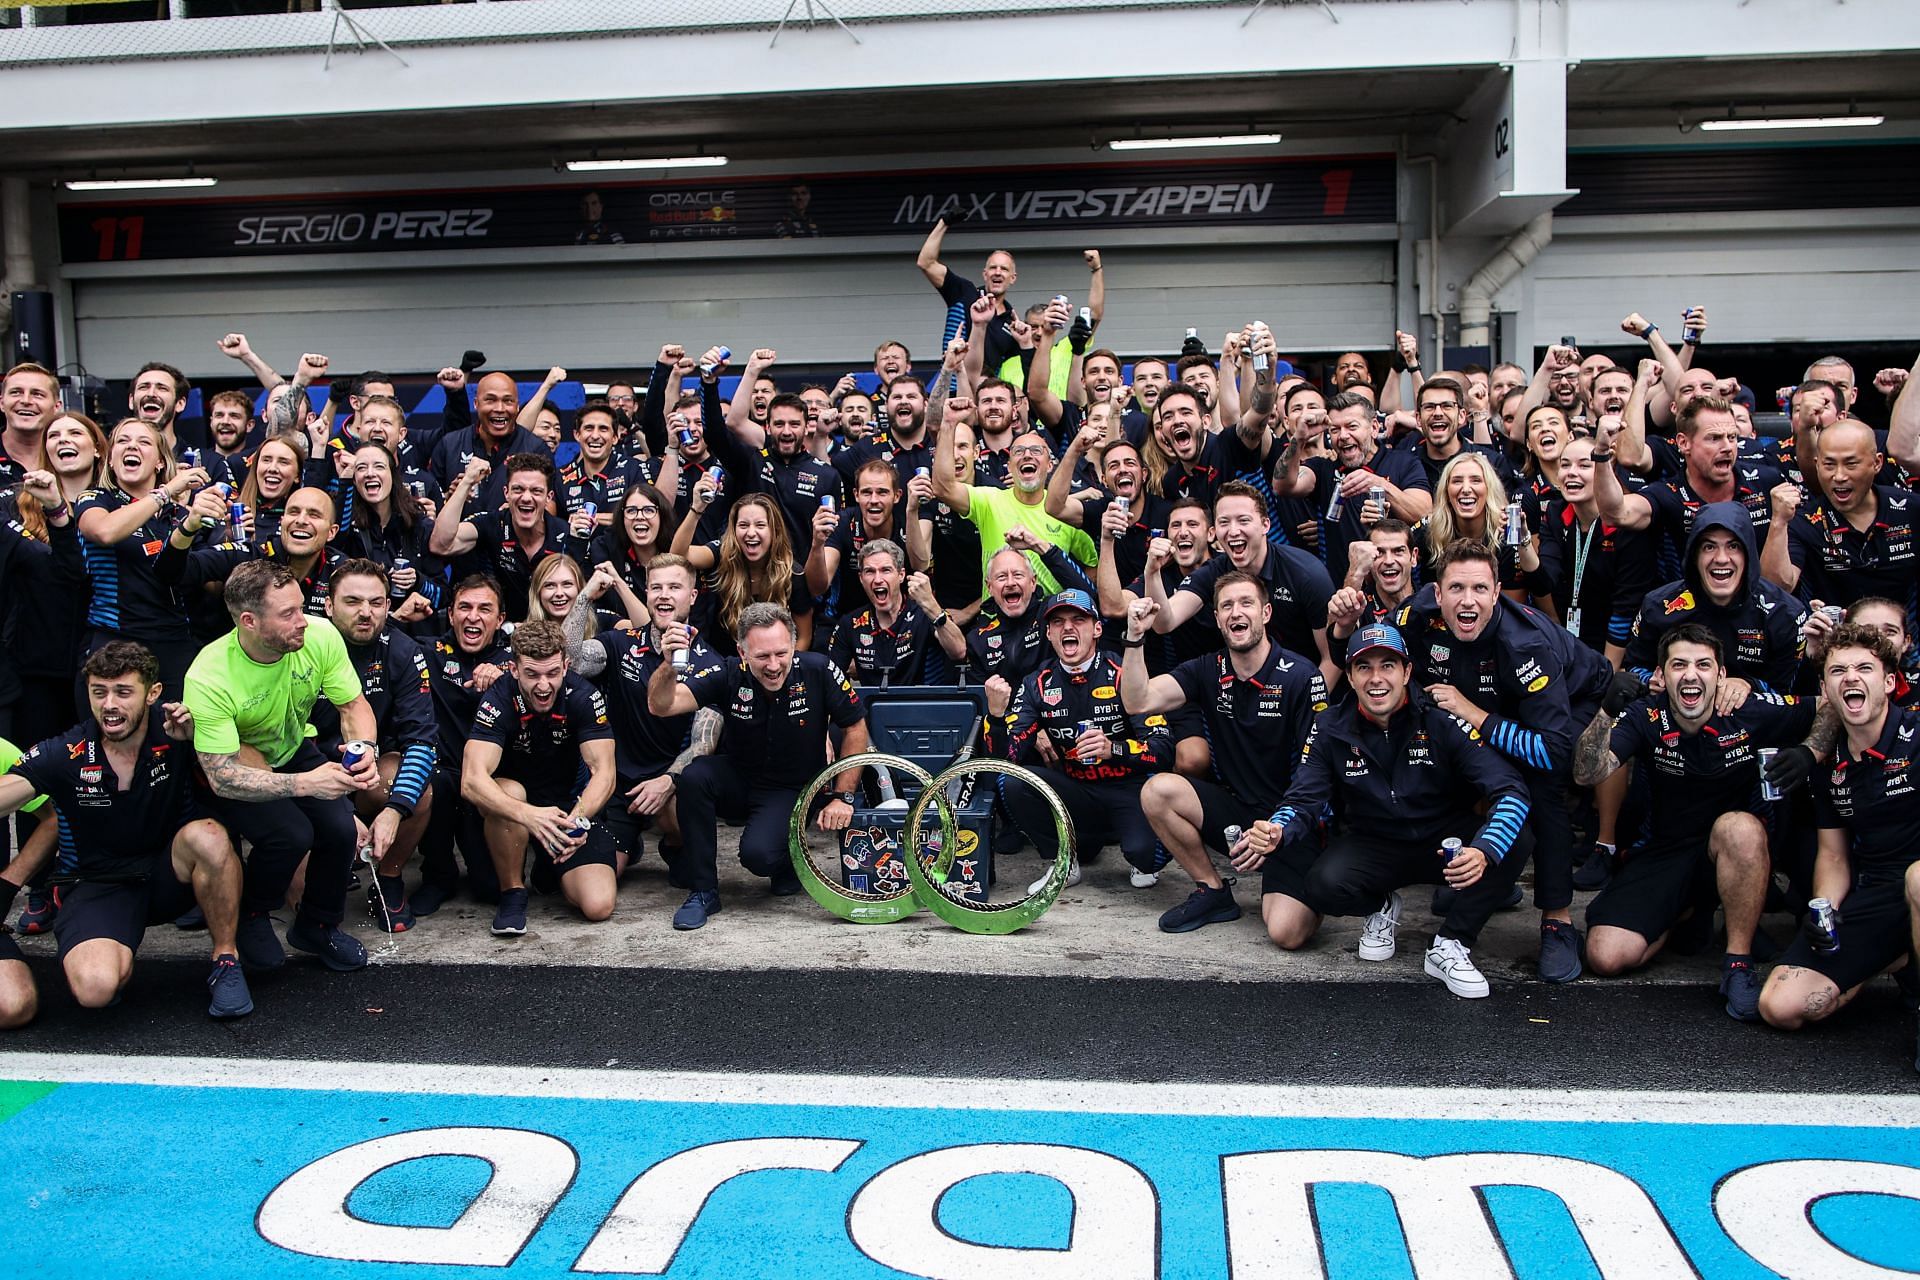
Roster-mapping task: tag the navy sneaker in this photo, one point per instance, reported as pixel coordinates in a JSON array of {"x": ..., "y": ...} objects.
[
  {"x": 1559, "y": 951},
  {"x": 37, "y": 916},
  {"x": 259, "y": 947},
  {"x": 430, "y": 897},
  {"x": 784, "y": 883},
  {"x": 388, "y": 898},
  {"x": 694, "y": 911},
  {"x": 1203, "y": 906},
  {"x": 337, "y": 950},
  {"x": 228, "y": 987},
  {"x": 510, "y": 921},
  {"x": 1740, "y": 984},
  {"x": 193, "y": 920}
]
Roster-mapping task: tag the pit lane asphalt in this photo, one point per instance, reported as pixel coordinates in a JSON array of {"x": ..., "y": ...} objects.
[{"x": 1138, "y": 1030}]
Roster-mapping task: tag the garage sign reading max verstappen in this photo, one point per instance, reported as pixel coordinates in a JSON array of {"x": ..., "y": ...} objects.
[{"x": 1257, "y": 192}]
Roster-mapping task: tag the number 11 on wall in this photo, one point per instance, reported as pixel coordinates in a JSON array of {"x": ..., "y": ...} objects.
[{"x": 124, "y": 234}]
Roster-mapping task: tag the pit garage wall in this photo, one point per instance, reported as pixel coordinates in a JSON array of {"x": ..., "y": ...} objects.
[
  {"x": 616, "y": 311},
  {"x": 1838, "y": 278}
]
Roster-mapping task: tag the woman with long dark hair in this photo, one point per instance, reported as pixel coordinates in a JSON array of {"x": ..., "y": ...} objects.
[
  {"x": 751, "y": 563},
  {"x": 389, "y": 528}
]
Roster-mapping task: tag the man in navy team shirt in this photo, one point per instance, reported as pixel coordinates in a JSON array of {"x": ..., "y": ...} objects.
[
  {"x": 534, "y": 733},
  {"x": 132, "y": 849}
]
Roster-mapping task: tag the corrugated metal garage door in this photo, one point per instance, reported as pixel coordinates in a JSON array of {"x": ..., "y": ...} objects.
[{"x": 615, "y": 314}]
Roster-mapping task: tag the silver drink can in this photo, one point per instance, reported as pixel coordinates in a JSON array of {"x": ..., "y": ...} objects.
[
  {"x": 1450, "y": 848},
  {"x": 1516, "y": 523},
  {"x": 1232, "y": 836},
  {"x": 1767, "y": 790},
  {"x": 1825, "y": 925}
]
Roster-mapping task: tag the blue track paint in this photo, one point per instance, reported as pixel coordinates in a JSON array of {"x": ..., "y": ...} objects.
[{"x": 166, "y": 1181}]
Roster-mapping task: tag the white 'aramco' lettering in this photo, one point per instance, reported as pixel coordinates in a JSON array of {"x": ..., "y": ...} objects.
[
  {"x": 1768, "y": 1211},
  {"x": 895, "y": 1219},
  {"x": 652, "y": 1218},
  {"x": 531, "y": 1171},
  {"x": 1272, "y": 1235}
]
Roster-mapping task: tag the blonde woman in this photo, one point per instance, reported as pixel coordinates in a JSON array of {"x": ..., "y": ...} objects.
[
  {"x": 1471, "y": 504},
  {"x": 137, "y": 505},
  {"x": 558, "y": 581}
]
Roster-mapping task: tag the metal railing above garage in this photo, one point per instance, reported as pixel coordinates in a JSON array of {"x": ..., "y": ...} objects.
[{"x": 109, "y": 30}]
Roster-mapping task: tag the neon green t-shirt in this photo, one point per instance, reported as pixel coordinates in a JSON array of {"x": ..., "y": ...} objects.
[
  {"x": 1014, "y": 370},
  {"x": 236, "y": 700},
  {"x": 9, "y": 757},
  {"x": 997, "y": 510}
]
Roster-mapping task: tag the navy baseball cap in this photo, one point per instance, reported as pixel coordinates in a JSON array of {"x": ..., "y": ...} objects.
[
  {"x": 1072, "y": 598},
  {"x": 1375, "y": 635}
]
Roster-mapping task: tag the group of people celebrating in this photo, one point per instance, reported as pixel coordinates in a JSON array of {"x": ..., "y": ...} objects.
[{"x": 1352, "y": 633}]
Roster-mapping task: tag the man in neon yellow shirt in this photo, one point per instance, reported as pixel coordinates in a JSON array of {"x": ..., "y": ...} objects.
[
  {"x": 251, "y": 693},
  {"x": 1020, "y": 508}
]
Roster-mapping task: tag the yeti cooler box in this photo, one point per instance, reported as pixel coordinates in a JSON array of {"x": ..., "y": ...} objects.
[{"x": 929, "y": 726}]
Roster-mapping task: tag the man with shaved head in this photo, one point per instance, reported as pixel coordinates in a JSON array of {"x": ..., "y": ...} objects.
[
  {"x": 494, "y": 435},
  {"x": 1851, "y": 539}
]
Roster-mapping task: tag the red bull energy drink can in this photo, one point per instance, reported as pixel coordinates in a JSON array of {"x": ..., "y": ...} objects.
[
  {"x": 1826, "y": 926},
  {"x": 356, "y": 750}
]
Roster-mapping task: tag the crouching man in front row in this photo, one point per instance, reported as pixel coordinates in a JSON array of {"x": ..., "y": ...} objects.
[
  {"x": 1868, "y": 868},
  {"x": 135, "y": 853},
  {"x": 1402, "y": 776}
]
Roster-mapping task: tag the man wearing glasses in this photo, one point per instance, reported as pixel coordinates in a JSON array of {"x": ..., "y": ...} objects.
[{"x": 1015, "y": 516}]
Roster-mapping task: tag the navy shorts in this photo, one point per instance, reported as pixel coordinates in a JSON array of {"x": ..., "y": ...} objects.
[
  {"x": 120, "y": 911},
  {"x": 9, "y": 949},
  {"x": 1874, "y": 932},
  {"x": 1654, "y": 888}
]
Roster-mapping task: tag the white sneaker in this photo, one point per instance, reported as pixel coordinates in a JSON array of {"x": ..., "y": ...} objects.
[
  {"x": 1450, "y": 961},
  {"x": 1073, "y": 878},
  {"x": 1376, "y": 940},
  {"x": 1143, "y": 879}
]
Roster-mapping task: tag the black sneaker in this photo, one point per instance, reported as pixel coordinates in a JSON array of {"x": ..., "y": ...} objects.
[
  {"x": 784, "y": 883},
  {"x": 338, "y": 950},
  {"x": 1595, "y": 871},
  {"x": 510, "y": 921},
  {"x": 228, "y": 988},
  {"x": 193, "y": 920},
  {"x": 1204, "y": 906},
  {"x": 259, "y": 948}
]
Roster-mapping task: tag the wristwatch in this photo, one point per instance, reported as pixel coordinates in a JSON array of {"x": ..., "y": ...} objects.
[
  {"x": 849, "y": 797},
  {"x": 941, "y": 621}
]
